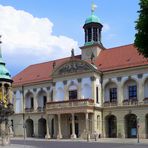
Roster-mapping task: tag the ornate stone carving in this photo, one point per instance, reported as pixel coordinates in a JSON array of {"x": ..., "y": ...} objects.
[{"x": 73, "y": 67}]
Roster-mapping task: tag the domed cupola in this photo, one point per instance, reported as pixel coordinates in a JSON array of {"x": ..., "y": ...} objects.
[
  {"x": 4, "y": 73},
  {"x": 92, "y": 19},
  {"x": 92, "y": 29}
]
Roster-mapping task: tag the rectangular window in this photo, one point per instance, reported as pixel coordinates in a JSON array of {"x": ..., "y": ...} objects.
[
  {"x": 72, "y": 94},
  {"x": 132, "y": 90},
  {"x": 97, "y": 95},
  {"x": 113, "y": 94},
  {"x": 44, "y": 101},
  {"x": 89, "y": 35},
  {"x": 32, "y": 103},
  {"x": 95, "y": 34}
]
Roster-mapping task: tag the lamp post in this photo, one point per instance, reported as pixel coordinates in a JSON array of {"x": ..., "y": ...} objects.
[{"x": 138, "y": 139}]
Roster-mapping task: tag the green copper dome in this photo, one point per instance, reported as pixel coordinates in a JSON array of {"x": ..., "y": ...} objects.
[
  {"x": 4, "y": 73},
  {"x": 92, "y": 19}
]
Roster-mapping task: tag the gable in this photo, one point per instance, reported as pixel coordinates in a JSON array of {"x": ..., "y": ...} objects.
[{"x": 73, "y": 67}]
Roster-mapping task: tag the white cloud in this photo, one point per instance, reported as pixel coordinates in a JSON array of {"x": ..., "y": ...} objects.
[{"x": 24, "y": 34}]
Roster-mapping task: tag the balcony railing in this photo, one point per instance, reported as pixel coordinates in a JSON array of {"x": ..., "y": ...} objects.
[
  {"x": 29, "y": 109},
  {"x": 145, "y": 100},
  {"x": 126, "y": 102},
  {"x": 110, "y": 103},
  {"x": 70, "y": 103},
  {"x": 130, "y": 102},
  {"x": 41, "y": 109}
]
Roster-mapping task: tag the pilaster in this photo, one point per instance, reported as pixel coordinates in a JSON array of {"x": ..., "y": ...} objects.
[
  {"x": 59, "y": 136},
  {"x": 73, "y": 136}
]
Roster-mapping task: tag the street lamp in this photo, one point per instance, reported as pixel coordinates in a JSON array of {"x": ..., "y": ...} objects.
[{"x": 138, "y": 139}]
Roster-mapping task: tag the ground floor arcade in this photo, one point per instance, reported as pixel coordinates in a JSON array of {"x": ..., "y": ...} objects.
[{"x": 125, "y": 123}]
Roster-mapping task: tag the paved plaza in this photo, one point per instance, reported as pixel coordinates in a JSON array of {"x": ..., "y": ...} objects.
[{"x": 101, "y": 143}]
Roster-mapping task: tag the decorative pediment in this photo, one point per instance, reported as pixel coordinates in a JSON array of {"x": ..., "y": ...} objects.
[{"x": 73, "y": 66}]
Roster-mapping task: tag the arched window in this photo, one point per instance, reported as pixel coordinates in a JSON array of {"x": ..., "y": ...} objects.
[
  {"x": 130, "y": 90},
  {"x": 60, "y": 94},
  {"x": 111, "y": 92},
  {"x": 42, "y": 99}
]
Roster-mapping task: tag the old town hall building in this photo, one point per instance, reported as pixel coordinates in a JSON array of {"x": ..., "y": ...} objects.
[{"x": 103, "y": 91}]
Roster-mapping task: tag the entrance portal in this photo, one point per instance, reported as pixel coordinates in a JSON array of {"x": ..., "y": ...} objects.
[
  {"x": 29, "y": 128},
  {"x": 111, "y": 123},
  {"x": 131, "y": 125},
  {"x": 42, "y": 128}
]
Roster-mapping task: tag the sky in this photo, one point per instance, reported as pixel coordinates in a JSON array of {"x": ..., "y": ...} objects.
[{"x": 35, "y": 31}]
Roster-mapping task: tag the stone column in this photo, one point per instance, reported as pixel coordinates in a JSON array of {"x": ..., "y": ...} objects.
[
  {"x": 87, "y": 126},
  {"x": 47, "y": 127},
  {"x": 73, "y": 136},
  {"x": 59, "y": 136}
]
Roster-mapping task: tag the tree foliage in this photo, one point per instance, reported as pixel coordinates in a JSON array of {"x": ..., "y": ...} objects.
[{"x": 141, "y": 37}]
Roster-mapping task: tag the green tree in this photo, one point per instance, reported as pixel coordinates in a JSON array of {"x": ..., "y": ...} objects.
[{"x": 141, "y": 37}]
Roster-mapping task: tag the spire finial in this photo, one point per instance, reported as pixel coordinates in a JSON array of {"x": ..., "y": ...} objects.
[
  {"x": 93, "y": 7},
  {"x": 0, "y": 47}
]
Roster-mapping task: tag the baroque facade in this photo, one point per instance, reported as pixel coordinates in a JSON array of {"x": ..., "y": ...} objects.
[{"x": 102, "y": 91}]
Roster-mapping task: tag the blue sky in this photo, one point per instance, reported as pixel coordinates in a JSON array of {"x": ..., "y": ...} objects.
[{"x": 64, "y": 22}]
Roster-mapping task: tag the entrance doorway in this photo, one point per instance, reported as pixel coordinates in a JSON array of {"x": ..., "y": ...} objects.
[
  {"x": 29, "y": 128},
  {"x": 42, "y": 128},
  {"x": 111, "y": 123},
  {"x": 131, "y": 125}
]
